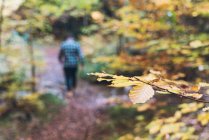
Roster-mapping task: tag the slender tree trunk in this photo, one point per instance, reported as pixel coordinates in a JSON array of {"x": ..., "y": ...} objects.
[
  {"x": 120, "y": 44},
  {"x": 33, "y": 67},
  {"x": 1, "y": 21},
  {"x": 85, "y": 20}
]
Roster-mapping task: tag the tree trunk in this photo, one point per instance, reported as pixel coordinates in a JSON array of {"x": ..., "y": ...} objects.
[
  {"x": 121, "y": 42},
  {"x": 1, "y": 21},
  {"x": 33, "y": 68}
]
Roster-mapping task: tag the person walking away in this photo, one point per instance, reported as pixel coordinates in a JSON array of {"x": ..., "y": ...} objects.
[{"x": 70, "y": 56}]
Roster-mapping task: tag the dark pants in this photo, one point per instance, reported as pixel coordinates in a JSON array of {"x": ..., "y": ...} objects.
[{"x": 70, "y": 77}]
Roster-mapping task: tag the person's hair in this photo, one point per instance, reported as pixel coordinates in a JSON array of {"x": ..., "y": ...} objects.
[{"x": 70, "y": 35}]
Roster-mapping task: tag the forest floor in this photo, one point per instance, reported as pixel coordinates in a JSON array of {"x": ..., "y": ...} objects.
[{"x": 81, "y": 116}]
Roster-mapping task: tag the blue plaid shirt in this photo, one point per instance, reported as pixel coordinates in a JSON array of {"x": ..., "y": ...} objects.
[{"x": 70, "y": 53}]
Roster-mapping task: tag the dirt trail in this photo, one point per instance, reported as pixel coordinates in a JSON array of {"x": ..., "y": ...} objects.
[{"x": 78, "y": 120}]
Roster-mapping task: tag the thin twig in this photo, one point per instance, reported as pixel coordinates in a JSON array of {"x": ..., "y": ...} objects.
[{"x": 160, "y": 88}]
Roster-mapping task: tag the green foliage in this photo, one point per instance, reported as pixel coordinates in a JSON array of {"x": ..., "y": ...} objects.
[
  {"x": 157, "y": 36},
  {"x": 118, "y": 125},
  {"x": 24, "y": 113},
  {"x": 37, "y": 17},
  {"x": 154, "y": 120},
  {"x": 121, "y": 115},
  {"x": 50, "y": 99},
  {"x": 31, "y": 104}
]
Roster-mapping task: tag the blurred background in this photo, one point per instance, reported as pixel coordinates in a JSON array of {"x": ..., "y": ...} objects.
[{"x": 122, "y": 37}]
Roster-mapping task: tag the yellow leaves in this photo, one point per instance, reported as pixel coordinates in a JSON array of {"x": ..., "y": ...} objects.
[
  {"x": 155, "y": 126},
  {"x": 119, "y": 63},
  {"x": 173, "y": 89},
  {"x": 101, "y": 75},
  {"x": 127, "y": 137},
  {"x": 151, "y": 4},
  {"x": 205, "y": 108},
  {"x": 191, "y": 107},
  {"x": 145, "y": 107},
  {"x": 171, "y": 128},
  {"x": 174, "y": 127},
  {"x": 175, "y": 118},
  {"x": 103, "y": 59},
  {"x": 145, "y": 86},
  {"x": 141, "y": 94},
  {"x": 116, "y": 81},
  {"x": 195, "y": 88},
  {"x": 203, "y": 118},
  {"x": 195, "y": 43},
  {"x": 166, "y": 126},
  {"x": 203, "y": 85},
  {"x": 31, "y": 97},
  {"x": 31, "y": 100},
  {"x": 103, "y": 79},
  {"x": 194, "y": 95},
  {"x": 187, "y": 135},
  {"x": 148, "y": 78},
  {"x": 201, "y": 9},
  {"x": 161, "y": 3},
  {"x": 123, "y": 83}
]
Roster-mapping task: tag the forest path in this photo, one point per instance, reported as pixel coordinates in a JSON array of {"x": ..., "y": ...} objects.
[{"x": 78, "y": 120}]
